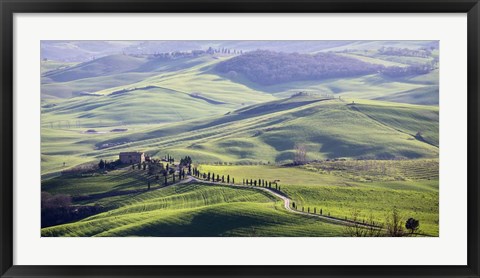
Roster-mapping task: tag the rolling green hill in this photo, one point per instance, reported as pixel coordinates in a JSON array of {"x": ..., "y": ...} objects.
[
  {"x": 107, "y": 65},
  {"x": 267, "y": 132},
  {"x": 197, "y": 210},
  {"x": 411, "y": 186},
  {"x": 197, "y": 75}
]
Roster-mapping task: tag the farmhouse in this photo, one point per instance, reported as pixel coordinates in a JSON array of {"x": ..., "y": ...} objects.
[{"x": 132, "y": 157}]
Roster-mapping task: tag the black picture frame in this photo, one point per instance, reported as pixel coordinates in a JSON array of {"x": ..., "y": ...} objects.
[{"x": 9, "y": 7}]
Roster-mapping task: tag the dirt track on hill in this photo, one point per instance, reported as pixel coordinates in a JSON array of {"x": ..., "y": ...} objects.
[{"x": 286, "y": 202}]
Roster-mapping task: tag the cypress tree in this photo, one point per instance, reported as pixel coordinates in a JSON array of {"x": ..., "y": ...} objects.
[
  {"x": 233, "y": 180},
  {"x": 228, "y": 178}
]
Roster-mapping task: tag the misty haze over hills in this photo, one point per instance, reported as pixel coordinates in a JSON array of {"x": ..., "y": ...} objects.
[{"x": 80, "y": 51}]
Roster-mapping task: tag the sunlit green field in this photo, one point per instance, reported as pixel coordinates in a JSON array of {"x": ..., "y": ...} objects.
[
  {"x": 197, "y": 210},
  {"x": 328, "y": 128},
  {"x": 371, "y": 142},
  {"x": 339, "y": 195}
]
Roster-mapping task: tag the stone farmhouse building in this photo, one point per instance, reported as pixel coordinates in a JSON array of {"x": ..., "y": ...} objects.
[{"x": 132, "y": 157}]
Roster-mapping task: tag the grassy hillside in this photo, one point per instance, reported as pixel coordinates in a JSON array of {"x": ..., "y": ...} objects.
[
  {"x": 196, "y": 75},
  {"x": 197, "y": 210},
  {"x": 328, "y": 128},
  {"x": 268, "y": 132},
  {"x": 412, "y": 188},
  {"x": 103, "y": 66},
  {"x": 50, "y": 65},
  {"x": 365, "y": 113}
]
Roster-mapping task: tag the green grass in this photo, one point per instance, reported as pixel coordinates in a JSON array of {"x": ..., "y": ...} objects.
[
  {"x": 153, "y": 213},
  {"x": 264, "y": 132},
  {"x": 373, "y": 200},
  {"x": 197, "y": 210},
  {"x": 378, "y": 170},
  {"x": 339, "y": 195},
  {"x": 372, "y": 60},
  {"x": 50, "y": 65},
  {"x": 406, "y": 119},
  {"x": 119, "y": 180}
]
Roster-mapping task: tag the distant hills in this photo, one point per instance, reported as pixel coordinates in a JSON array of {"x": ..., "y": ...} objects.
[
  {"x": 81, "y": 51},
  {"x": 227, "y": 101}
]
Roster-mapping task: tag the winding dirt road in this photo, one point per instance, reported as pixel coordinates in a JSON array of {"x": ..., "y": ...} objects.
[{"x": 286, "y": 202}]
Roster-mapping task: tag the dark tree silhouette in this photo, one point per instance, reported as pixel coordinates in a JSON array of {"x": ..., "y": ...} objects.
[{"x": 412, "y": 225}]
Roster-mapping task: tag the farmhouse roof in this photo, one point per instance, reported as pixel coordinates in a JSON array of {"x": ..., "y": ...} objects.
[{"x": 130, "y": 153}]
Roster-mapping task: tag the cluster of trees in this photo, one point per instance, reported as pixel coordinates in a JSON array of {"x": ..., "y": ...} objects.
[
  {"x": 269, "y": 67},
  {"x": 212, "y": 177},
  {"x": 156, "y": 168},
  {"x": 105, "y": 165},
  {"x": 58, "y": 209},
  {"x": 194, "y": 53},
  {"x": 406, "y": 71},
  {"x": 169, "y": 158},
  {"x": 397, "y": 51},
  {"x": 187, "y": 160},
  {"x": 262, "y": 183}
]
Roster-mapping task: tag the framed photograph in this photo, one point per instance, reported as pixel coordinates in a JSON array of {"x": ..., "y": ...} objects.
[{"x": 253, "y": 139}]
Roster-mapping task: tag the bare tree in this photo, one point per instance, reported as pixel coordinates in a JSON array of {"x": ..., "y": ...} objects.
[
  {"x": 300, "y": 154},
  {"x": 395, "y": 224}
]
